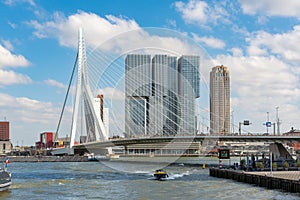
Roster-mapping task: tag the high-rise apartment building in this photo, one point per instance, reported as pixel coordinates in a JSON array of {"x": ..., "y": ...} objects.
[
  {"x": 219, "y": 101},
  {"x": 4, "y": 131},
  {"x": 160, "y": 96},
  {"x": 101, "y": 112}
]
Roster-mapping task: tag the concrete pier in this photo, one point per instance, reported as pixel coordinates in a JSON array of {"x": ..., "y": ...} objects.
[{"x": 283, "y": 180}]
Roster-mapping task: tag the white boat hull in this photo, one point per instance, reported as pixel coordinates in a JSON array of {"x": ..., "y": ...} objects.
[{"x": 4, "y": 186}]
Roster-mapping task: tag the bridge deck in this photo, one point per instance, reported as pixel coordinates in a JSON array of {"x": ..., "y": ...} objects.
[{"x": 189, "y": 139}]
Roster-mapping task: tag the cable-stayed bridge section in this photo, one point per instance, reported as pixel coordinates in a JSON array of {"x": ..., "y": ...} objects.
[
  {"x": 84, "y": 116},
  {"x": 189, "y": 139},
  {"x": 145, "y": 99}
]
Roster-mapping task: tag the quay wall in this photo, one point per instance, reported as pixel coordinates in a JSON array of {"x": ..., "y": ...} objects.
[
  {"x": 270, "y": 182},
  {"x": 48, "y": 158}
]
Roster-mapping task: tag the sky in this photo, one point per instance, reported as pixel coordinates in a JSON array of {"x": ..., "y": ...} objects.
[{"x": 257, "y": 40}]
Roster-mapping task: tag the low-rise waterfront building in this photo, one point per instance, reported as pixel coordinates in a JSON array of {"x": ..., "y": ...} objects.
[{"x": 46, "y": 141}]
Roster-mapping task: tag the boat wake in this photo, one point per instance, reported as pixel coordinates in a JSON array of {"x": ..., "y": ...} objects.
[
  {"x": 175, "y": 176},
  {"x": 141, "y": 172}
]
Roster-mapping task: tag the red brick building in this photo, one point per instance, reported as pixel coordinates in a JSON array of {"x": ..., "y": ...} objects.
[
  {"x": 4, "y": 131},
  {"x": 46, "y": 140},
  {"x": 293, "y": 132}
]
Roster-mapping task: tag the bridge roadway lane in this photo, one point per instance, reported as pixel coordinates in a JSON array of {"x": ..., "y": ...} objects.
[{"x": 149, "y": 140}]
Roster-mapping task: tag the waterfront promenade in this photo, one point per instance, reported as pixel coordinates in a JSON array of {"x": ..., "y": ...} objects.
[
  {"x": 48, "y": 158},
  {"x": 281, "y": 180},
  {"x": 287, "y": 175}
]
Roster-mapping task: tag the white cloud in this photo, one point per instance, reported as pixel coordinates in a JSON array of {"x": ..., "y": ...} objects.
[
  {"x": 96, "y": 28},
  {"x": 264, "y": 75},
  {"x": 209, "y": 41},
  {"x": 55, "y": 83},
  {"x": 12, "y": 25},
  {"x": 256, "y": 51},
  {"x": 287, "y": 8},
  {"x": 193, "y": 11},
  {"x": 7, "y": 59},
  {"x": 28, "y": 110},
  {"x": 11, "y": 77},
  {"x": 31, "y": 104},
  {"x": 15, "y": 2},
  {"x": 171, "y": 23},
  {"x": 7, "y": 44},
  {"x": 6, "y": 100},
  {"x": 110, "y": 33},
  {"x": 29, "y": 117},
  {"x": 259, "y": 84},
  {"x": 236, "y": 52},
  {"x": 112, "y": 93},
  {"x": 286, "y": 45},
  {"x": 200, "y": 13}
]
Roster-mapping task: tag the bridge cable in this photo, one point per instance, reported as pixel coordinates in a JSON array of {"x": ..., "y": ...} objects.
[{"x": 66, "y": 98}]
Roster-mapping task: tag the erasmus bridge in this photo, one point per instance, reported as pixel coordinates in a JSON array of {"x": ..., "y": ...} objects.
[{"x": 87, "y": 121}]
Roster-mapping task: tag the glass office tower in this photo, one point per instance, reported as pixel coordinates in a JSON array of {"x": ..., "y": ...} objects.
[
  {"x": 138, "y": 83},
  {"x": 160, "y": 97},
  {"x": 189, "y": 90}
]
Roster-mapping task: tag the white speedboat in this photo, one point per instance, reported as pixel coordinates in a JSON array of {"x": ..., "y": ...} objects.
[
  {"x": 92, "y": 157},
  {"x": 5, "y": 180}
]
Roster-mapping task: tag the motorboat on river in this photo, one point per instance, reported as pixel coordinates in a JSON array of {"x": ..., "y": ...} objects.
[
  {"x": 92, "y": 157},
  {"x": 160, "y": 174},
  {"x": 5, "y": 180}
]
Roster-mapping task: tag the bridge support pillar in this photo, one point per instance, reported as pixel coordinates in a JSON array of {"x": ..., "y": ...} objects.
[
  {"x": 125, "y": 150},
  {"x": 279, "y": 151}
]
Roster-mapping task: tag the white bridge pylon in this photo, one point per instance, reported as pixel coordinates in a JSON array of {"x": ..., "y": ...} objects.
[{"x": 83, "y": 96}]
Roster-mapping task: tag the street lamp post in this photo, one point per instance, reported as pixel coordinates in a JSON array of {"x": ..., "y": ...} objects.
[
  {"x": 271, "y": 163},
  {"x": 245, "y": 123},
  {"x": 267, "y": 122},
  {"x": 232, "y": 122},
  {"x": 277, "y": 121}
]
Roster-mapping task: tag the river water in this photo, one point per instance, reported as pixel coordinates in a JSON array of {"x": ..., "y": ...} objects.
[{"x": 124, "y": 180}]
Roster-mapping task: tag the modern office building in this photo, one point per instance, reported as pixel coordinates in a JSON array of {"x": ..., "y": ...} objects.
[
  {"x": 138, "y": 71},
  {"x": 163, "y": 117},
  {"x": 138, "y": 89},
  {"x": 189, "y": 79},
  {"x": 160, "y": 95},
  {"x": 189, "y": 90},
  {"x": 219, "y": 101},
  {"x": 173, "y": 107}
]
